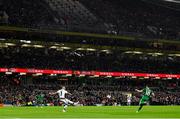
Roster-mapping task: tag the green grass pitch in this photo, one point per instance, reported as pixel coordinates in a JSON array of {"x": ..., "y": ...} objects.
[{"x": 91, "y": 112}]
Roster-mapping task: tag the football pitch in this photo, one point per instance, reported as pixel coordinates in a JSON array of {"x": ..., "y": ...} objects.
[{"x": 91, "y": 112}]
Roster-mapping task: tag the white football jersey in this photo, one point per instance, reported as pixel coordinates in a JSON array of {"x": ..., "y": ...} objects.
[{"x": 62, "y": 93}]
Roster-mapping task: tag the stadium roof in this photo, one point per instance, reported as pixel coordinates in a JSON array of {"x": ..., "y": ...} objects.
[
  {"x": 175, "y": 1},
  {"x": 172, "y": 4}
]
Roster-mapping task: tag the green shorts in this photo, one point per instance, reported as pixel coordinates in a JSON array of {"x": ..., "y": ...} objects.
[{"x": 144, "y": 99}]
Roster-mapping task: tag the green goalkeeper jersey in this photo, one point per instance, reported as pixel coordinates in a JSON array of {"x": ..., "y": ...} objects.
[{"x": 40, "y": 97}]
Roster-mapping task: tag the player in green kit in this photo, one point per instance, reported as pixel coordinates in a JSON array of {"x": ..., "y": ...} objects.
[
  {"x": 147, "y": 93},
  {"x": 40, "y": 99}
]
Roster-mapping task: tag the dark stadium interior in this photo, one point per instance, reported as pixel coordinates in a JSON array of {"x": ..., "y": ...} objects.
[
  {"x": 114, "y": 17},
  {"x": 131, "y": 36}
]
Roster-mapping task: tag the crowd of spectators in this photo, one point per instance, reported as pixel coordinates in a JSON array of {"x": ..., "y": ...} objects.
[
  {"x": 117, "y": 17},
  {"x": 43, "y": 58},
  {"x": 86, "y": 91}
]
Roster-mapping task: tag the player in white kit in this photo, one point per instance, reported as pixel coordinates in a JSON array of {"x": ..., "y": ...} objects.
[
  {"x": 129, "y": 99},
  {"x": 62, "y": 93}
]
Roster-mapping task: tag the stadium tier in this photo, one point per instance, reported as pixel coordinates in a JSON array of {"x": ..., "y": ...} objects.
[
  {"x": 138, "y": 17},
  {"x": 88, "y": 59}
]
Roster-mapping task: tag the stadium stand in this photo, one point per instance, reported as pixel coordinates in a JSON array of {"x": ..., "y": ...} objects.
[
  {"x": 73, "y": 12},
  {"x": 129, "y": 17},
  {"x": 27, "y": 13},
  {"x": 137, "y": 16},
  {"x": 87, "y": 91},
  {"x": 30, "y": 57}
]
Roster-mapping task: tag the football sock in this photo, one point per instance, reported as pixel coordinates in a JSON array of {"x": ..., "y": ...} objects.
[{"x": 141, "y": 105}]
